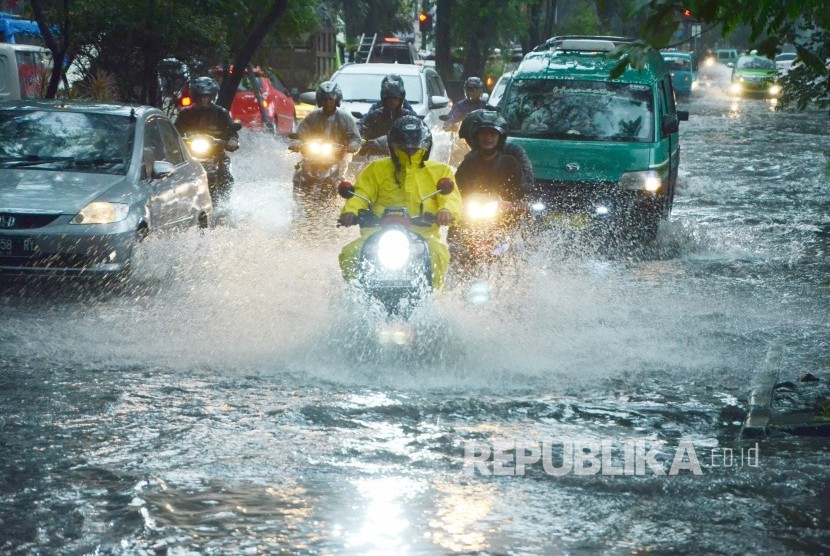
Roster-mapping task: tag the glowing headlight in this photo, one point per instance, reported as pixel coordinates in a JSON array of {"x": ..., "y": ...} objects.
[
  {"x": 695, "y": 85},
  {"x": 643, "y": 181},
  {"x": 709, "y": 62},
  {"x": 101, "y": 212},
  {"x": 775, "y": 89},
  {"x": 537, "y": 207},
  {"x": 477, "y": 210},
  {"x": 735, "y": 88},
  {"x": 393, "y": 249},
  {"x": 200, "y": 146},
  {"x": 318, "y": 148}
]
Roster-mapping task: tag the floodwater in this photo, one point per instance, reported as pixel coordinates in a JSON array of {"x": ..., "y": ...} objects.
[{"x": 234, "y": 399}]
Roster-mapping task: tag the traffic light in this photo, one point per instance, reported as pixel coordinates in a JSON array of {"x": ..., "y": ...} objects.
[
  {"x": 687, "y": 13},
  {"x": 425, "y": 22}
]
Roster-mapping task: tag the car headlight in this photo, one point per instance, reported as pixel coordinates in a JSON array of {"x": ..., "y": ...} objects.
[
  {"x": 101, "y": 212},
  {"x": 482, "y": 210},
  {"x": 774, "y": 89},
  {"x": 393, "y": 249},
  {"x": 200, "y": 146},
  {"x": 641, "y": 181},
  {"x": 735, "y": 87}
]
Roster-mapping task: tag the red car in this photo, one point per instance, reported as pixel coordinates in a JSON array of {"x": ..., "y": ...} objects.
[{"x": 276, "y": 100}]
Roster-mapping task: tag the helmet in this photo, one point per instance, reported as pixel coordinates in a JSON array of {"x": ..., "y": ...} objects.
[
  {"x": 409, "y": 134},
  {"x": 473, "y": 83},
  {"x": 487, "y": 119},
  {"x": 327, "y": 90},
  {"x": 465, "y": 129},
  {"x": 204, "y": 87},
  {"x": 392, "y": 86}
]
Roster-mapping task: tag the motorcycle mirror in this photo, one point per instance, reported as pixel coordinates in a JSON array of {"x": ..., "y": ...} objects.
[
  {"x": 357, "y": 115},
  {"x": 293, "y": 135},
  {"x": 237, "y": 125},
  {"x": 445, "y": 186},
  {"x": 444, "y": 117},
  {"x": 345, "y": 189}
]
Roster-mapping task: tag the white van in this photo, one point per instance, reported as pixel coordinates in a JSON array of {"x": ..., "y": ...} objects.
[{"x": 22, "y": 66}]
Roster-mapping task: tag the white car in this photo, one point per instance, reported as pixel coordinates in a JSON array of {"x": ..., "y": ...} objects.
[
  {"x": 784, "y": 62},
  {"x": 425, "y": 91}
]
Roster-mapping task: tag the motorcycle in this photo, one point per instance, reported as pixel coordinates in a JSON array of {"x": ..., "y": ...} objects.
[
  {"x": 489, "y": 228},
  {"x": 319, "y": 169},
  {"x": 395, "y": 262},
  {"x": 210, "y": 151}
]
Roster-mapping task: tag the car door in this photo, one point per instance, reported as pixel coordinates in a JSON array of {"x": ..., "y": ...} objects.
[
  {"x": 285, "y": 106},
  {"x": 162, "y": 204},
  {"x": 185, "y": 180},
  {"x": 435, "y": 87}
]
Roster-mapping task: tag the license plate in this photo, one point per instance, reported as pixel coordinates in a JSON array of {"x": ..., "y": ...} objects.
[
  {"x": 572, "y": 219},
  {"x": 17, "y": 246}
]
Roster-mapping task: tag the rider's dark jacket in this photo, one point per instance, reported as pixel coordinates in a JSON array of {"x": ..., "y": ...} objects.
[
  {"x": 377, "y": 122},
  {"x": 500, "y": 176},
  {"x": 213, "y": 120},
  {"x": 462, "y": 108}
]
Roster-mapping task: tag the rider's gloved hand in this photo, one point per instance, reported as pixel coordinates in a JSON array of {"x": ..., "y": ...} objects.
[
  {"x": 347, "y": 219},
  {"x": 443, "y": 218},
  {"x": 233, "y": 144}
]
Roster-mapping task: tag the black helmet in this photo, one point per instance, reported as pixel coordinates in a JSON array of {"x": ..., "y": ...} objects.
[
  {"x": 327, "y": 90},
  {"x": 465, "y": 129},
  {"x": 392, "y": 88},
  {"x": 487, "y": 119},
  {"x": 204, "y": 87},
  {"x": 473, "y": 83},
  {"x": 409, "y": 134}
]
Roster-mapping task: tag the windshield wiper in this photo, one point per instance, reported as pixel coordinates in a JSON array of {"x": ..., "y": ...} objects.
[
  {"x": 33, "y": 160},
  {"x": 362, "y": 100},
  {"x": 97, "y": 161}
]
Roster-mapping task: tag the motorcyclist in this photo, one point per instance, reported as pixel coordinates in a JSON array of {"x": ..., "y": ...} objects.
[
  {"x": 379, "y": 103},
  {"x": 473, "y": 89},
  {"x": 511, "y": 149},
  {"x": 402, "y": 180},
  {"x": 487, "y": 169},
  {"x": 206, "y": 117},
  {"x": 376, "y": 124},
  {"x": 328, "y": 121}
]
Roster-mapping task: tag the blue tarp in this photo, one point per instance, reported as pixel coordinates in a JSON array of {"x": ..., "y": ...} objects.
[{"x": 11, "y": 26}]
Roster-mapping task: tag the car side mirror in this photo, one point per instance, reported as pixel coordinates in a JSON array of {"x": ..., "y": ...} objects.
[
  {"x": 309, "y": 97},
  {"x": 730, "y": 65},
  {"x": 683, "y": 115},
  {"x": 670, "y": 124},
  {"x": 162, "y": 169},
  {"x": 485, "y": 96},
  {"x": 436, "y": 101}
]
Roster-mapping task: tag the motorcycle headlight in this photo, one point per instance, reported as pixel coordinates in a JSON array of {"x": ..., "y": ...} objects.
[
  {"x": 775, "y": 89},
  {"x": 393, "y": 249},
  {"x": 642, "y": 181},
  {"x": 314, "y": 147},
  {"x": 101, "y": 212},
  {"x": 482, "y": 210},
  {"x": 326, "y": 149},
  {"x": 200, "y": 146}
]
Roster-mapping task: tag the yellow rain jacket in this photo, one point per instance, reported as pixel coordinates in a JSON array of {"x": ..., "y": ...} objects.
[{"x": 377, "y": 183}]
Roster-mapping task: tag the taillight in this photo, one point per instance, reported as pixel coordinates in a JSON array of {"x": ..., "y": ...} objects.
[{"x": 185, "y": 101}]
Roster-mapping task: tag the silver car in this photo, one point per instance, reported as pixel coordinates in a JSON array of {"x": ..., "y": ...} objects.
[{"x": 81, "y": 183}]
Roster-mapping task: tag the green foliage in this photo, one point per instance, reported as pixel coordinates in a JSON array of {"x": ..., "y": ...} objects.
[{"x": 583, "y": 22}]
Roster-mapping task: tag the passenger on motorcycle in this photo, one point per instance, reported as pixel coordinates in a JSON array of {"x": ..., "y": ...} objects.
[
  {"x": 328, "y": 121},
  {"x": 511, "y": 149},
  {"x": 402, "y": 180},
  {"x": 376, "y": 124},
  {"x": 473, "y": 89},
  {"x": 205, "y": 117}
]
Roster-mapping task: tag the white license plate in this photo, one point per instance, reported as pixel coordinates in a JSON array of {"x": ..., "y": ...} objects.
[
  {"x": 572, "y": 219},
  {"x": 17, "y": 246}
]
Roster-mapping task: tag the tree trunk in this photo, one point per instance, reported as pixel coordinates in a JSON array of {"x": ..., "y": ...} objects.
[
  {"x": 58, "y": 50},
  {"x": 443, "y": 52},
  {"x": 243, "y": 56}
]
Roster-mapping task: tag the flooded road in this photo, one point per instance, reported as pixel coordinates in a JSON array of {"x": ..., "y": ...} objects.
[{"x": 232, "y": 399}]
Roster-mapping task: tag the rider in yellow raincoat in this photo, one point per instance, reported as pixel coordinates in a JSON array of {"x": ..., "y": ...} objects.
[{"x": 402, "y": 181}]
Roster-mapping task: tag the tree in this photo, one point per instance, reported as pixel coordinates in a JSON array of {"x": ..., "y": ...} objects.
[
  {"x": 804, "y": 23},
  {"x": 541, "y": 17}
]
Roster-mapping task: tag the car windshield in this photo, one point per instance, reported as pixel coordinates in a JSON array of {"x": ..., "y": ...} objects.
[
  {"x": 679, "y": 64},
  {"x": 366, "y": 87},
  {"x": 785, "y": 57},
  {"x": 247, "y": 84},
  {"x": 580, "y": 110},
  {"x": 498, "y": 90},
  {"x": 52, "y": 140},
  {"x": 755, "y": 62}
]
